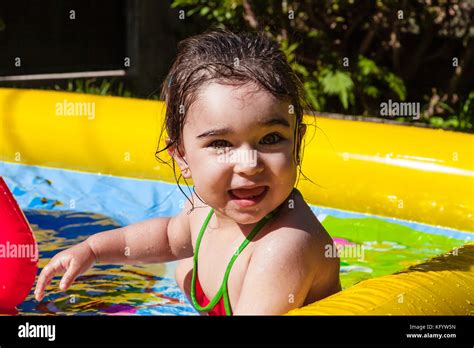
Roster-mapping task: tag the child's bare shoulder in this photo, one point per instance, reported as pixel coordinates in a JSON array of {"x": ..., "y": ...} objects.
[
  {"x": 289, "y": 258},
  {"x": 296, "y": 231}
]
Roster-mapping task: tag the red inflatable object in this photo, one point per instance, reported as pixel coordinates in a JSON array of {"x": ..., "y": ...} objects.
[{"x": 18, "y": 253}]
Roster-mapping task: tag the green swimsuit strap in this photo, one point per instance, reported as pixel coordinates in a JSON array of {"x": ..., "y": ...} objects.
[{"x": 223, "y": 288}]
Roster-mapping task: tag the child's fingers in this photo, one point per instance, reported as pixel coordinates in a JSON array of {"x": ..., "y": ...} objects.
[
  {"x": 46, "y": 275},
  {"x": 70, "y": 275},
  {"x": 44, "y": 279},
  {"x": 42, "y": 282}
]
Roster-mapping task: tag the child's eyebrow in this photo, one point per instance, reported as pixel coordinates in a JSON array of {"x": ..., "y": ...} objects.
[{"x": 226, "y": 130}]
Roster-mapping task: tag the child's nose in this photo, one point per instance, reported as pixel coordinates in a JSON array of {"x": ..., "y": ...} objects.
[{"x": 246, "y": 161}]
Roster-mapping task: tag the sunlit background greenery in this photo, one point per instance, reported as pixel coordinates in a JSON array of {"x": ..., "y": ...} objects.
[{"x": 399, "y": 50}]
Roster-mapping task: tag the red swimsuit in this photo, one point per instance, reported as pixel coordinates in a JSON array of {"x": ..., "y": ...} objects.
[{"x": 203, "y": 301}]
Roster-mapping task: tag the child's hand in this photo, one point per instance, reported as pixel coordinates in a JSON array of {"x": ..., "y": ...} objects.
[{"x": 74, "y": 261}]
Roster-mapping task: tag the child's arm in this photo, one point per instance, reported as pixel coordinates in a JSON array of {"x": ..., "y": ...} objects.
[
  {"x": 157, "y": 240},
  {"x": 152, "y": 241}
]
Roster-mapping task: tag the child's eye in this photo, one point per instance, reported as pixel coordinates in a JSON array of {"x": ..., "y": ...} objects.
[
  {"x": 218, "y": 144},
  {"x": 274, "y": 138}
]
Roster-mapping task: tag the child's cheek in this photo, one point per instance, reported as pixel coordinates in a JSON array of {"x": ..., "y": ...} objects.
[
  {"x": 213, "y": 171},
  {"x": 212, "y": 180},
  {"x": 283, "y": 168},
  {"x": 279, "y": 162}
]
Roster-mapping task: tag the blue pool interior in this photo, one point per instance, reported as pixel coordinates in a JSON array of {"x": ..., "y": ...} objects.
[{"x": 65, "y": 207}]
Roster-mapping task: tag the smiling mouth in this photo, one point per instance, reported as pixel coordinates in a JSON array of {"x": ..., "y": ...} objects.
[
  {"x": 246, "y": 198},
  {"x": 248, "y": 193}
]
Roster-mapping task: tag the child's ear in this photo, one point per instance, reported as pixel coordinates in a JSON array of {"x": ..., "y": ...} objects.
[
  {"x": 301, "y": 133},
  {"x": 302, "y": 130},
  {"x": 179, "y": 155},
  {"x": 170, "y": 149}
]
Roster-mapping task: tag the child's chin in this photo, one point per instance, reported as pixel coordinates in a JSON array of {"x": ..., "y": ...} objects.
[{"x": 247, "y": 217}]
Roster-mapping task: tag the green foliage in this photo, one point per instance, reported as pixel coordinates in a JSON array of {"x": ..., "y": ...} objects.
[
  {"x": 91, "y": 86},
  {"x": 463, "y": 118},
  {"x": 382, "y": 48},
  {"x": 466, "y": 112},
  {"x": 373, "y": 81},
  {"x": 315, "y": 97},
  {"x": 290, "y": 52},
  {"x": 369, "y": 75},
  {"x": 223, "y": 11},
  {"x": 338, "y": 83}
]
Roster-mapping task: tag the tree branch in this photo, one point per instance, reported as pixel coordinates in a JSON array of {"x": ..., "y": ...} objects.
[
  {"x": 418, "y": 56},
  {"x": 395, "y": 45},
  {"x": 353, "y": 26},
  {"x": 249, "y": 15},
  {"x": 463, "y": 62},
  {"x": 369, "y": 37}
]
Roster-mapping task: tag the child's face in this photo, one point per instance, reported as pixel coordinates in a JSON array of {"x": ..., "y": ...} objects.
[{"x": 249, "y": 153}]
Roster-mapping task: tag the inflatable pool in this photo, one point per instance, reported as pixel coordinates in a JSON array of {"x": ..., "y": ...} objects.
[{"x": 402, "y": 194}]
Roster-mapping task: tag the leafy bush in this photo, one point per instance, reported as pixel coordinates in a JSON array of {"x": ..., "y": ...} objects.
[{"x": 353, "y": 55}]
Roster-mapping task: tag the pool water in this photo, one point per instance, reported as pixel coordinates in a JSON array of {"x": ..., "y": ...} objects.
[
  {"x": 65, "y": 207},
  {"x": 104, "y": 289},
  {"x": 387, "y": 247}
]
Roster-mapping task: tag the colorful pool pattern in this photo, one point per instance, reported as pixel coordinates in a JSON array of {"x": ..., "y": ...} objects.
[
  {"x": 65, "y": 207},
  {"x": 105, "y": 289}
]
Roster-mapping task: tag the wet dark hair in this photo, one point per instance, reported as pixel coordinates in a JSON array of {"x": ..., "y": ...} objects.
[{"x": 230, "y": 59}]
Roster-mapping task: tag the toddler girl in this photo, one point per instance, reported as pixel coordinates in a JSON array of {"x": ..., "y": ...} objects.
[{"x": 247, "y": 241}]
